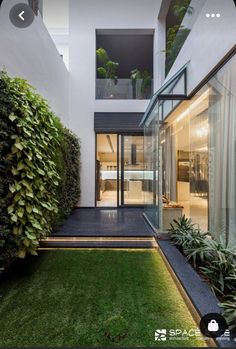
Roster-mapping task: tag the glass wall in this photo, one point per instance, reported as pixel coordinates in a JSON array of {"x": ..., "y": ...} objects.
[
  {"x": 185, "y": 160},
  {"x": 152, "y": 170},
  {"x": 197, "y": 146},
  {"x": 222, "y": 153}
]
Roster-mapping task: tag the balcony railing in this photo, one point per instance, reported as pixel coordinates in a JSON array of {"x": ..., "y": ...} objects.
[{"x": 124, "y": 89}]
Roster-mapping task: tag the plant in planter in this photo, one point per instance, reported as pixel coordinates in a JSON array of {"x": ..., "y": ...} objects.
[
  {"x": 177, "y": 34},
  {"x": 145, "y": 79},
  {"x": 107, "y": 69},
  {"x": 229, "y": 310},
  {"x": 188, "y": 238},
  {"x": 220, "y": 267},
  {"x": 181, "y": 8},
  {"x": 215, "y": 261}
]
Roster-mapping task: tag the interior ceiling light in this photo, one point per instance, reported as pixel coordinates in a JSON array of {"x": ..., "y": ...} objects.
[
  {"x": 203, "y": 131},
  {"x": 193, "y": 105}
]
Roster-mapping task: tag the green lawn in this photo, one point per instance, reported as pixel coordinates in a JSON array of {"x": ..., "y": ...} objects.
[{"x": 91, "y": 298}]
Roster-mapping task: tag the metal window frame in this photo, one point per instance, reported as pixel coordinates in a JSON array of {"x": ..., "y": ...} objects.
[{"x": 159, "y": 96}]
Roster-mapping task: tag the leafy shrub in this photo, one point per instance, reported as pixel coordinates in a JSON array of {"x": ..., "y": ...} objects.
[
  {"x": 229, "y": 309},
  {"x": 8, "y": 248},
  {"x": 31, "y": 139},
  {"x": 220, "y": 267},
  {"x": 188, "y": 238},
  {"x": 215, "y": 261},
  {"x": 70, "y": 179}
]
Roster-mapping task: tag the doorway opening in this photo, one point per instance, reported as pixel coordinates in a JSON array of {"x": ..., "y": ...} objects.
[{"x": 120, "y": 170}]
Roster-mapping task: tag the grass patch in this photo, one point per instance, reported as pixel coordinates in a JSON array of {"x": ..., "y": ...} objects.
[{"x": 91, "y": 298}]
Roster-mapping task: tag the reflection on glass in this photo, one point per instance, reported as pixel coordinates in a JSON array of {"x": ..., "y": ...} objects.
[
  {"x": 106, "y": 170},
  {"x": 133, "y": 170},
  {"x": 151, "y": 174}
]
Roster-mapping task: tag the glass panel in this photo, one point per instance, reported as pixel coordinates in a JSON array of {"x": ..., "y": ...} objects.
[
  {"x": 151, "y": 174},
  {"x": 175, "y": 87},
  {"x": 119, "y": 169},
  {"x": 124, "y": 89},
  {"x": 199, "y": 159},
  {"x": 175, "y": 166},
  {"x": 180, "y": 21},
  {"x": 167, "y": 107},
  {"x": 222, "y": 154},
  {"x": 106, "y": 170},
  {"x": 172, "y": 89},
  {"x": 133, "y": 170}
]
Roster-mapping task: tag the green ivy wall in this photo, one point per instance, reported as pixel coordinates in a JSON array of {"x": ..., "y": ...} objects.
[{"x": 39, "y": 169}]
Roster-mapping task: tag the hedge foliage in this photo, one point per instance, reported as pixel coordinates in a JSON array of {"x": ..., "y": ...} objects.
[
  {"x": 39, "y": 169},
  {"x": 70, "y": 185}
]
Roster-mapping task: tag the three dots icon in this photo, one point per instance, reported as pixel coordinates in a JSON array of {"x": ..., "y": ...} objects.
[{"x": 213, "y": 15}]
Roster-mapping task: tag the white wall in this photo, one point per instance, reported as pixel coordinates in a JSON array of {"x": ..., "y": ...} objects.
[
  {"x": 56, "y": 14},
  {"x": 56, "y": 20},
  {"x": 85, "y": 18},
  {"x": 208, "y": 42},
  {"x": 31, "y": 54}
]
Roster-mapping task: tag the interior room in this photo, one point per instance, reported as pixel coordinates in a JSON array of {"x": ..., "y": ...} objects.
[
  {"x": 120, "y": 173},
  {"x": 186, "y": 158},
  {"x": 106, "y": 168}
]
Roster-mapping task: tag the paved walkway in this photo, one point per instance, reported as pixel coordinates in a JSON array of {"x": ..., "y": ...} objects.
[{"x": 122, "y": 222}]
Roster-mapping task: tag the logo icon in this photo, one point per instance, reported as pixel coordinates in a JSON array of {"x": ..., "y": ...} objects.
[
  {"x": 213, "y": 326},
  {"x": 160, "y": 335}
]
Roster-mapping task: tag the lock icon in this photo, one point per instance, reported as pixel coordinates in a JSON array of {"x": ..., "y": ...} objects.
[{"x": 213, "y": 326}]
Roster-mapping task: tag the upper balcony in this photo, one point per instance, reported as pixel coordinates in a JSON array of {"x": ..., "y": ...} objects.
[
  {"x": 124, "y": 89},
  {"x": 124, "y": 66}
]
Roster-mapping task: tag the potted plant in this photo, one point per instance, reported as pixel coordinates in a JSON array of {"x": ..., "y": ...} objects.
[
  {"x": 141, "y": 82},
  {"x": 107, "y": 69}
]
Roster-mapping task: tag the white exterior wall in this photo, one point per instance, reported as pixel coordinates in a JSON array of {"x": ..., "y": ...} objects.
[
  {"x": 31, "y": 54},
  {"x": 208, "y": 42},
  {"x": 85, "y": 18}
]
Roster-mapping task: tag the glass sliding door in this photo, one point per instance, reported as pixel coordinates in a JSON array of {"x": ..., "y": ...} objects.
[
  {"x": 132, "y": 162},
  {"x": 119, "y": 170},
  {"x": 106, "y": 170}
]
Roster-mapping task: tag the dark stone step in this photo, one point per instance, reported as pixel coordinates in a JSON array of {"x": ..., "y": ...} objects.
[{"x": 97, "y": 244}]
